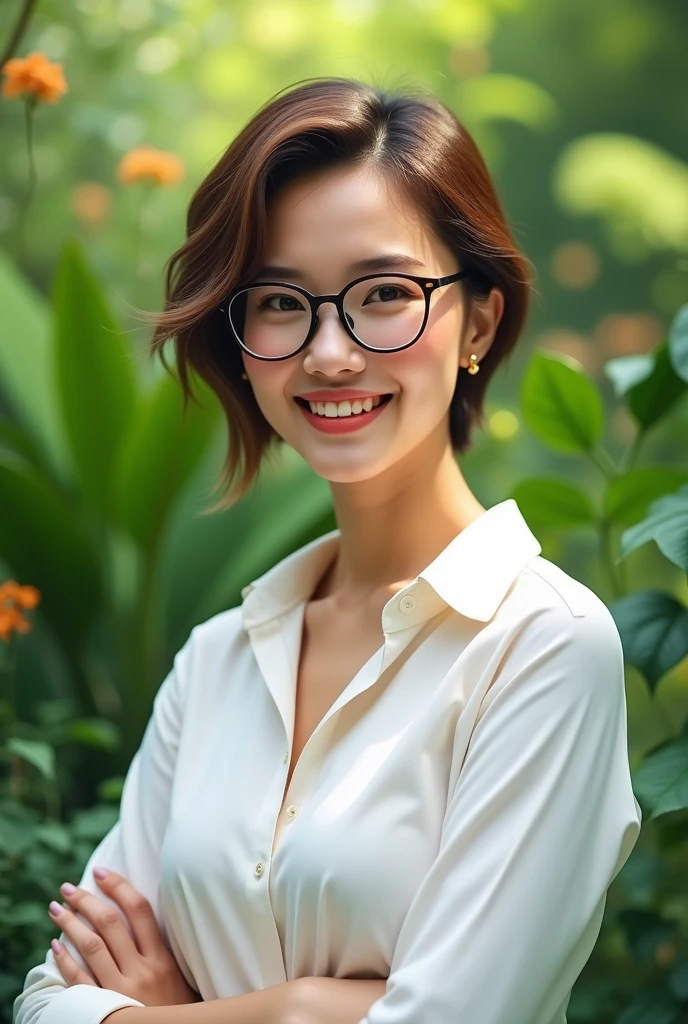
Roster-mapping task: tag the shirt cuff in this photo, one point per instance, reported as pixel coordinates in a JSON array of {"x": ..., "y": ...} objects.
[{"x": 84, "y": 1004}]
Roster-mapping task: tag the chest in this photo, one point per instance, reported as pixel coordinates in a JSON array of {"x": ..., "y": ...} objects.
[{"x": 332, "y": 653}]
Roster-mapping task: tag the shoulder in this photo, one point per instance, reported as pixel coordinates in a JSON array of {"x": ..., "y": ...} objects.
[
  {"x": 544, "y": 593},
  {"x": 551, "y": 626},
  {"x": 209, "y": 648}
]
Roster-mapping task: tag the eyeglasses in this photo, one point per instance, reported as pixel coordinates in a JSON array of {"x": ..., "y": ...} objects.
[{"x": 380, "y": 312}]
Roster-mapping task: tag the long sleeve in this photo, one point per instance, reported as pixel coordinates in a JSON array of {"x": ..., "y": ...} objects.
[
  {"x": 540, "y": 821},
  {"x": 132, "y": 848}
]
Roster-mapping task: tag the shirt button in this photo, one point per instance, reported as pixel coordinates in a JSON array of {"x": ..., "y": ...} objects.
[
  {"x": 259, "y": 869},
  {"x": 286, "y": 758},
  {"x": 292, "y": 811},
  {"x": 408, "y": 604}
]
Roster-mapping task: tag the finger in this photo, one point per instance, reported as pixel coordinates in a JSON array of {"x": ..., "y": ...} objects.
[
  {"x": 108, "y": 922},
  {"x": 137, "y": 909},
  {"x": 69, "y": 968},
  {"x": 90, "y": 945}
]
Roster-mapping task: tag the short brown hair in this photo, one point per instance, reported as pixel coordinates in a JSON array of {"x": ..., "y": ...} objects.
[{"x": 419, "y": 145}]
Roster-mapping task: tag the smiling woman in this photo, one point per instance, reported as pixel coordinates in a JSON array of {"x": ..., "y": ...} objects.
[{"x": 392, "y": 786}]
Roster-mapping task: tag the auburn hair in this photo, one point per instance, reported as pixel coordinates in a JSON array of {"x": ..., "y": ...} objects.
[{"x": 419, "y": 145}]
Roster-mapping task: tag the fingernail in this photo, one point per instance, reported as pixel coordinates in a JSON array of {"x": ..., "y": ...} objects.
[
  {"x": 67, "y": 888},
  {"x": 57, "y": 946},
  {"x": 101, "y": 872},
  {"x": 55, "y": 908}
]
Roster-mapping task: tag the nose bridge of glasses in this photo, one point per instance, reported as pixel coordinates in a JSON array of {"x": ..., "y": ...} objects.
[{"x": 336, "y": 300}]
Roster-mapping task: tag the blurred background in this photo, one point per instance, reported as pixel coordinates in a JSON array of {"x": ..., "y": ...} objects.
[{"x": 579, "y": 109}]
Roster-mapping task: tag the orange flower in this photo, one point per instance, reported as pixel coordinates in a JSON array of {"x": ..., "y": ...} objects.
[
  {"x": 14, "y": 598},
  {"x": 91, "y": 202},
  {"x": 146, "y": 163},
  {"x": 34, "y": 76}
]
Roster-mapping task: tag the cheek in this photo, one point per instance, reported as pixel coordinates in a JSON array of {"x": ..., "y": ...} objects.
[{"x": 433, "y": 359}]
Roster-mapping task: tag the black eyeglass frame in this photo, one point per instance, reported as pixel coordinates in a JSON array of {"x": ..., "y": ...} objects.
[{"x": 429, "y": 285}]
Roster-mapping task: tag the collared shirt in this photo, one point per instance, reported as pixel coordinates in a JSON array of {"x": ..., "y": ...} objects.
[{"x": 452, "y": 825}]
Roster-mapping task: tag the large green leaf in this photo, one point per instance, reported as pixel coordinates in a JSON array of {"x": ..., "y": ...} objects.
[
  {"x": 26, "y": 369},
  {"x": 678, "y": 343},
  {"x": 95, "y": 374},
  {"x": 657, "y": 392},
  {"x": 625, "y": 372},
  {"x": 629, "y": 496},
  {"x": 560, "y": 405},
  {"x": 209, "y": 558},
  {"x": 661, "y": 781},
  {"x": 42, "y": 542},
  {"x": 547, "y": 501},
  {"x": 161, "y": 450},
  {"x": 653, "y": 627},
  {"x": 667, "y": 525}
]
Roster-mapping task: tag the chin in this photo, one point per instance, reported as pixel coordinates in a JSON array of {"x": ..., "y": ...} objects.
[{"x": 345, "y": 471}]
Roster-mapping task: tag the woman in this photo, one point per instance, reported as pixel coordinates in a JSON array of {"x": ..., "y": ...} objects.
[{"x": 392, "y": 787}]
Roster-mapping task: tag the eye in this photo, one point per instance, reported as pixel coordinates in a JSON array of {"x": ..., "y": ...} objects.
[
  {"x": 385, "y": 290},
  {"x": 287, "y": 303}
]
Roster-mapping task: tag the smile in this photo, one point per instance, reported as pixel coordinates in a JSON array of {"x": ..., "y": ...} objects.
[{"x": 342, "y": 417}]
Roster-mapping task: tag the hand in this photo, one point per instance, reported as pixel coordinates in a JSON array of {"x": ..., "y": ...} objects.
[{"x": 141, "y": 967}]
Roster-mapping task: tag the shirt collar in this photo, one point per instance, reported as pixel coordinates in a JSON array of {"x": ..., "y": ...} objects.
[{"x": 472, "y": 574}]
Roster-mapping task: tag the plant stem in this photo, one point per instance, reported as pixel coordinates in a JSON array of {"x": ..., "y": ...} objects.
[
  {"x": 604, "y": 463},
  {"x": 20, "y": 28},
  {"x": 29, "y": 109},
  {"x": 607, "y": 556},
  {"x": 631, "y": 453}
]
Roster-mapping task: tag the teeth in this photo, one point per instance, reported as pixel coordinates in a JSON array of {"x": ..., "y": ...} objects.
[{"x": 335, "y": 409}]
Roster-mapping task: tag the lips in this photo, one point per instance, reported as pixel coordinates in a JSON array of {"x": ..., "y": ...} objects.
[{"x": 343, "y": 424}]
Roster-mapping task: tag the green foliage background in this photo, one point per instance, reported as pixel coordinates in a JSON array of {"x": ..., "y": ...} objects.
[{"x": 579, "y": 109}]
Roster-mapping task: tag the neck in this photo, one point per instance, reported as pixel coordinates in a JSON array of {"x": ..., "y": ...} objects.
[{"x": 394, "y": 525}]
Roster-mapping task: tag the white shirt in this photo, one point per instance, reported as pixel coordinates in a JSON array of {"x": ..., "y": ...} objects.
[{"x": 453, "y": 824}]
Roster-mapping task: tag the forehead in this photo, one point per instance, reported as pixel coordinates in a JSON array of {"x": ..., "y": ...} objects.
[{"x": 345, "y": 208}]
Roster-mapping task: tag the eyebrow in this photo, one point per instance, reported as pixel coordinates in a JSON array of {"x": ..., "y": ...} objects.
[{"x": 396, "y": 260}]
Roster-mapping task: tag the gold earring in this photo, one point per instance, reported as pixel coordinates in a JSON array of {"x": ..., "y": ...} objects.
[
  {"x": 474, "y": 366},
  {"x": 244, "y": 376}
]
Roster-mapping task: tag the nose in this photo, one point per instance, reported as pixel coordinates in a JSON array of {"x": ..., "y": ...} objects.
[{"x": 331, "y": 349}]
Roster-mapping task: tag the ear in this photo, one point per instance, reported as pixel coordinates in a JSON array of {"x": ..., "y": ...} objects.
[{"x": 482, "y": 325}]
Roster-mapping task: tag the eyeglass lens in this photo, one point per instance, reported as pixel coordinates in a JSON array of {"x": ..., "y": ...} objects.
[{"x": 384, "y": 312}]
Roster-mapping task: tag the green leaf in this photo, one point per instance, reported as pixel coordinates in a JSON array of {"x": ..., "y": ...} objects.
[
  {"x": 14, "y": 437},
  {"x": 40, "y": 755},
  {"x": 95, "y": 375},
  {"x": 653, "y": 627},
  {"x": 110, "y": 790},
  {"x": 628, "y": 497},
  {"x": 94, "y": 822},
  {"x": 16, "y": 835},
  {"x": 666, "y": 525},
  {"x": 625, "y": 372},
  {"x": 42, "y": 542},
  {"x": 654, "y": 396},
  {"x": 678, "y": 343},
  {"x": 208, "y": 559},
  {"x": 661, "y": 782},
  {"x": 547, "y": 501},
  {"x": 560, "y": 405},
  {"x": 93, "y": 732},
  {"x": 162, "y": 448},
  {"x": 55, "y": 836},
  {"x": 26, "y": 365}
]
